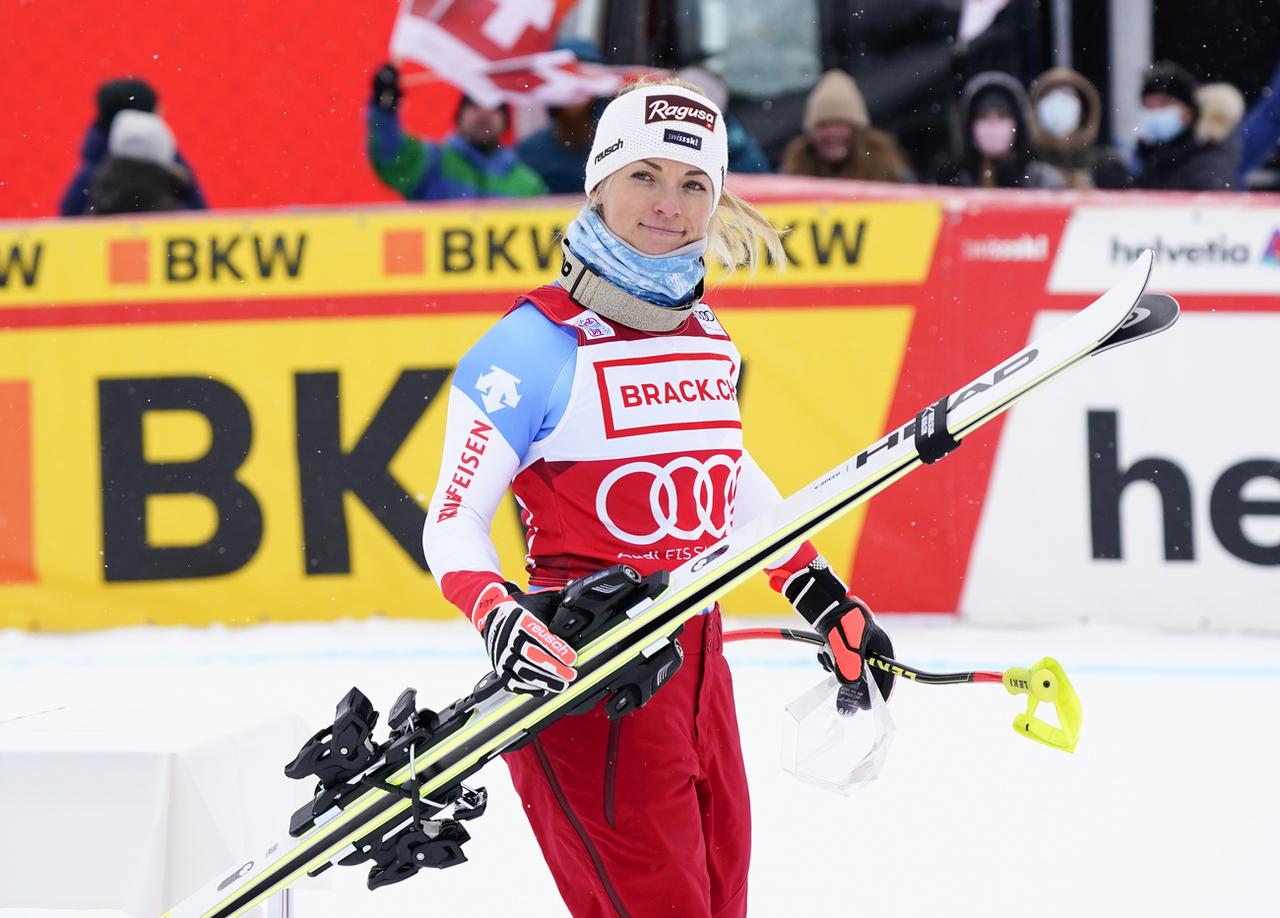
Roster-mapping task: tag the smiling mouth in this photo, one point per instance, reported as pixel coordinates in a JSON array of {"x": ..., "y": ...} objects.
[{"x": 664, "y": 232}]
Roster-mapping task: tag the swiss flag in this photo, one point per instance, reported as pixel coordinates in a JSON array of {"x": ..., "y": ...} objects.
[{"x": 498, "y": 50}]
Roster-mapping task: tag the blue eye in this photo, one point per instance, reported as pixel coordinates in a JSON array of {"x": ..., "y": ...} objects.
[
  {"x": 695, "y": 185},
  {"x": 642, "y": 175}
]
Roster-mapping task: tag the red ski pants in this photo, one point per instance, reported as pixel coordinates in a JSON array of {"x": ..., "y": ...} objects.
[{"x": 648, "y": 814}]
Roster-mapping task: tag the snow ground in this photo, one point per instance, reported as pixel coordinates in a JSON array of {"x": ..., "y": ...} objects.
[{"x": 1168, "y": 806}]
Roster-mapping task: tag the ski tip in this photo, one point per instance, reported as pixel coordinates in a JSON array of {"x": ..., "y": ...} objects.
[
  {"x": 1161, "y": 304},
  {"x": 1151, "y": 314}
]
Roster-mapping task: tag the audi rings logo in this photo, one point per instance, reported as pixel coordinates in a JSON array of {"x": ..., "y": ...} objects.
[{"x": 694, "y": 497}]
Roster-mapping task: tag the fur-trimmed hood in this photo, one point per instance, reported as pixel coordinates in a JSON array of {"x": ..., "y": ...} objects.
[{"x": 1090, "y": 110}]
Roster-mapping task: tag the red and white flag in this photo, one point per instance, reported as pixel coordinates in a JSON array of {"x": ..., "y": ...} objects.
[{"x": 498, "y": 50}]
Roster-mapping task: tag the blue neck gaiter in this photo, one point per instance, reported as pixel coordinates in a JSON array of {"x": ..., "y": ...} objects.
[{"x": 665, "y": 280}]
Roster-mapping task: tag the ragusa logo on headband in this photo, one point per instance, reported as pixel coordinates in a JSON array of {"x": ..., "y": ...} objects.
[{"x": 679, "y": 108}]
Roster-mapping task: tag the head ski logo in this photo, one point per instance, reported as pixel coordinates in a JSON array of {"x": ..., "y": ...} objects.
[
  {"x": 708, "y": 557},
  {"x": 242, "y": 872},
  {"x": 908, "y": 432},
  {"x": 1139, "y": 314},
  {"x": 1271, "y": 253}
]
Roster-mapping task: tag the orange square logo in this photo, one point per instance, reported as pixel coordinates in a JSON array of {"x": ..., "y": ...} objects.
[
  {"x": 403, "y": 252},
  {"x": 17, "y": 502},
  {"x": 128, "y": 261}
]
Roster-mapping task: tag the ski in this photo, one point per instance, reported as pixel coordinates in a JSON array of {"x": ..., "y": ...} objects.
[{"x": 383, "y": 804}]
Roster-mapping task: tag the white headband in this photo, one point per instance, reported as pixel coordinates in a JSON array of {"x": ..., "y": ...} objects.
[{"x": 660, "y": 122}]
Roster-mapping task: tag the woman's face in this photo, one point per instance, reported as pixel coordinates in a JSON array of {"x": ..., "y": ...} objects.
[
  {"x": 657, "y": 205},
  {"x": 832, "y": 140}
]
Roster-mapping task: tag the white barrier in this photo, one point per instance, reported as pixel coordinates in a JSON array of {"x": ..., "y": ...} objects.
[{"x": 130, "y": 817}]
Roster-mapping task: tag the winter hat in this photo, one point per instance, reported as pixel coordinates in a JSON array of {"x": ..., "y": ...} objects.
[
  {"x": 125, "y": 94},
  {"x": 661, "y": 121},
  {"x": 835, "y": 98},
  {"x": 1168, "y": 79},
  {"x": 1221, "y": 111},
  {"x": 144, "y": 136},
  {"x": 993, "y": 99}
]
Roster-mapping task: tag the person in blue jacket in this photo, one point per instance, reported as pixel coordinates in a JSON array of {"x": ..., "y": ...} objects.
[
  {"x": 115, "y": 96},
  {"x": 558, "y": 151},
  {"x": 1260, "y": 132},
  {"x": 470, "y": 163},
  {"x": 745, "y": 154}
]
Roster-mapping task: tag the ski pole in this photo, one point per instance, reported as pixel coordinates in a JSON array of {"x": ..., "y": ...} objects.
[{"x": 1046, "y": 681}]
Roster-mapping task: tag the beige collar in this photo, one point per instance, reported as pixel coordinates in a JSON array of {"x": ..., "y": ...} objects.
[{"x": 591, "y": 291}]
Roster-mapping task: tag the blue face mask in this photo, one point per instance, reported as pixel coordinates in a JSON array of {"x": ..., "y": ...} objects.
[
  {"x": 665, "y": 280},
  {"x": 1160, "y": 125}
]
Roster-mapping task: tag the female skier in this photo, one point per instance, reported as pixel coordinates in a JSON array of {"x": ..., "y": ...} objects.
[{"x": 607, "y": 402}]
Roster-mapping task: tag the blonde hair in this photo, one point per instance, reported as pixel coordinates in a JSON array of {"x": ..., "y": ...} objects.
[{"x": 737, "y": 233}]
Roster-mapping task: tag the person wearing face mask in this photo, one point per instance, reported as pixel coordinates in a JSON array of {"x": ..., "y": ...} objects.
[
  {"x": 994, "y": 140},
  {"x": 1170, "y": 154},
  {"x": 470, "y": 163},
  {"x": 838, "y": 139},
  {"x": 1066, "y": 112}
]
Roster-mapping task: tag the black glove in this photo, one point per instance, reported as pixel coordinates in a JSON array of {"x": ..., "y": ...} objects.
[
  {"x": 386, "y": 88},
  {"x": 846, "y": 624},
  {"x": 525, "y": 653}
]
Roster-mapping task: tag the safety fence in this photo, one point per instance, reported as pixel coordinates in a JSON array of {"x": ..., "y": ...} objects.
[{"x": 236, "y": 417}]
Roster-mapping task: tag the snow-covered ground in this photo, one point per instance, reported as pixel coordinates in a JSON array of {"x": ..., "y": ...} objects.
[{"x": 1168, "y": 807}]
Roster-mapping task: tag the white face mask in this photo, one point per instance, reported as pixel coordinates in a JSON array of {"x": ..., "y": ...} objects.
[
  {"x": 1160, "y": 125},
  {"x": 1059, "y": 112}
]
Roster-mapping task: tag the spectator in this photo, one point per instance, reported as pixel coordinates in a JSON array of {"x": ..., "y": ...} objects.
[
  {"x": 470, "y": 163},
  {"x": 1221, "y": 111},
  {"x": 838, "y": 139},
  {"x": 558, "y": 152},
  {"x": 1170, "y": 155},
  {"x": 1260, "y": 133},
  {"x": 115, "y": 96},
  {"x": 994, "y": 140},
  {"x": 140, "y": 172},
  {"x": 745, "y": 154},
  {"x": 1066, "y": 113}
]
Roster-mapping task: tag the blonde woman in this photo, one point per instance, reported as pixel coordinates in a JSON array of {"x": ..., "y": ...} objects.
[{"x": 607, "y": 402}]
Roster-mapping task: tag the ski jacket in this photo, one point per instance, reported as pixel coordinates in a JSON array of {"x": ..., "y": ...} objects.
[
  {"x": 121, "y": 185},
  {"x": 1188, "y": 164},
  {"x": 75, "y": 200},
  {"x": 619, "y": 445},
  {"x": 558, "y": 164},
  {"x": 422, "y": 171}
]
